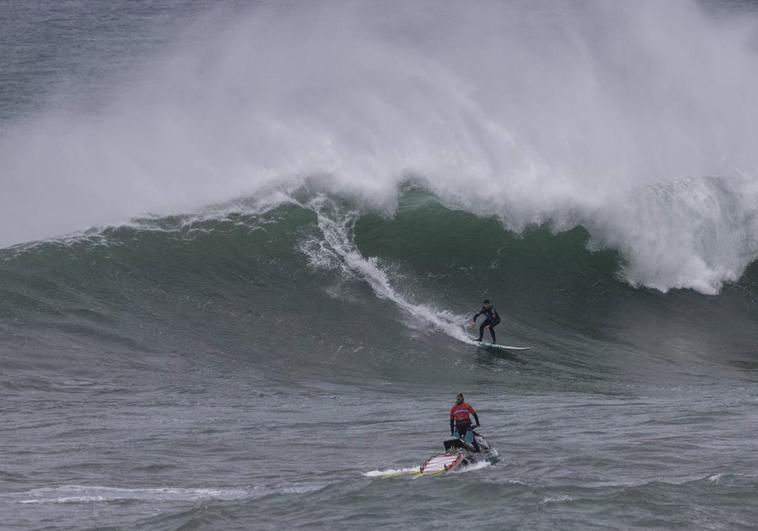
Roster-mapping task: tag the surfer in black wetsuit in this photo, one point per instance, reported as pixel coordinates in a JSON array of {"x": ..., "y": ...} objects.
[{"x": 491, "y": 319}]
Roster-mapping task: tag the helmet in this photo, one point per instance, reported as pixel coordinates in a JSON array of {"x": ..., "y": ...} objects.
[{"x": 486, "y": 301}]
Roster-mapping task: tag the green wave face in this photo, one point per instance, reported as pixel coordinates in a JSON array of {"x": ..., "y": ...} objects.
[{"x": 321, "y": 286}]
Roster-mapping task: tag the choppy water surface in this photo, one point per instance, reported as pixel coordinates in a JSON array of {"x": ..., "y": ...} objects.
[{"x": 261, "y": 362}]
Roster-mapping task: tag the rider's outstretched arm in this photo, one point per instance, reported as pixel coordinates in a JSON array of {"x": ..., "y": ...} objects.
[{"x": 476, "y": 418}]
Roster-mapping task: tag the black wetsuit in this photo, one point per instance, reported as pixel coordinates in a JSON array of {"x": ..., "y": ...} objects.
[{"x": 491, "y": 319}]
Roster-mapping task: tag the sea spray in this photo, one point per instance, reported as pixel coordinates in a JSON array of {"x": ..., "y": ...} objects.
[{"x": 531, "y": 112}]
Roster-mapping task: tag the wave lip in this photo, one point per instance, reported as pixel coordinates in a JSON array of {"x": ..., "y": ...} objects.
[
  {"x": 685, "y": 233},
  {"x": 681, "y": 234}
]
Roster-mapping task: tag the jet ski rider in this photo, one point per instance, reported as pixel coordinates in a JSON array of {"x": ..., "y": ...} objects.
[
  {"x": 491, "y": 319},
  {"x": 460, "y": 420}
]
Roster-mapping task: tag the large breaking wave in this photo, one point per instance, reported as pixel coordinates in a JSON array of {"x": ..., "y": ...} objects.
[
  {"x": 632, "y": 121},
  {"x": 316, "y": 283}
]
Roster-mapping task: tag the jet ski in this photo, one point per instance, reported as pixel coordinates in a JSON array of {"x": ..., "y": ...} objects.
[{"x": 460, "y": 453}]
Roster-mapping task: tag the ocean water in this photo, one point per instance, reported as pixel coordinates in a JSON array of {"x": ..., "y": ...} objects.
[{"x": 241, "y": 243}]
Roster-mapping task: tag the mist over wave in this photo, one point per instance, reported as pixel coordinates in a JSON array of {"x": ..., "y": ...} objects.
[{"x": 634, "y": 121}]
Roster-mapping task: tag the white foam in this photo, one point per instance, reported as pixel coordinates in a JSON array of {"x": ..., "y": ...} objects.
[
  {"x": 528, "y": 111},
  {"x": 337, "y": 249},
  {"x": 89, "y": 494},
  {"x": 97, "y": 493},
  {"x": 479, "y": 465},
  {"x": 556, "y": 499},
  {"x": 390, "y": 471}
]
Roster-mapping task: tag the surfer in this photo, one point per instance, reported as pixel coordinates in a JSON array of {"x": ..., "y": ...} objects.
[
  {"x": 491, "y": 319},
  {"x": 460, "y": 420}
]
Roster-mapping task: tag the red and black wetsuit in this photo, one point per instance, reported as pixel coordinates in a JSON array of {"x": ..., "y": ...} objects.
[
  {"x": 460, "y": 418},
  {"x": 491, "y": 319}
]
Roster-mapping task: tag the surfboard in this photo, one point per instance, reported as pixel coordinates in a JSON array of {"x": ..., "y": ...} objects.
[
  {"x": 439, "y": 464},
  {"x": 435, "y": 465},
  {"x": 482, "y": 344},
  {"x": 400, "y": 473}
]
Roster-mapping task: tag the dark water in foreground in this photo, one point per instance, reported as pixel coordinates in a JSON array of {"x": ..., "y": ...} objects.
[{"x": 169, "y": 460}]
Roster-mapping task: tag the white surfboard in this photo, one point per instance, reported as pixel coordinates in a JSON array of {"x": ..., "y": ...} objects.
[
  {"x": 439, "y": 464},
  {"x": 482, "y": 344}
]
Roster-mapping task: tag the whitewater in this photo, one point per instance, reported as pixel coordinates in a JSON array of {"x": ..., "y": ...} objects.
[
  {"x": 241, "y": 245},
  {"x": 633, "y": 121}
]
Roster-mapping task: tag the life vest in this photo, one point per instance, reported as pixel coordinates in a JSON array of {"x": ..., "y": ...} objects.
[{"x": 461, "y": 412}]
